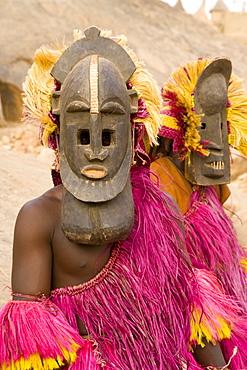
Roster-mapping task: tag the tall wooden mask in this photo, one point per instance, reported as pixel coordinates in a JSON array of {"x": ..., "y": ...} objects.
[
  {"x": 94, "y": 107},
  {"x": 210, "y": 97}
]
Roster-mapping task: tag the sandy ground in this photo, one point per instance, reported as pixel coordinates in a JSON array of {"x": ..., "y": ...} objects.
[{"x": 23, "y": 177}]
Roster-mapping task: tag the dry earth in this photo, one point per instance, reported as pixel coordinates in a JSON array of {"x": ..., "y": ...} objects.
[
  {"x": 163, "y": 36},
  {"x": 23, "y": 177}
]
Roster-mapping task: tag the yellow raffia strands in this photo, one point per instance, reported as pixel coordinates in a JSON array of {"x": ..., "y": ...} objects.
[
  {"x": 169, "y": 121},
  {"x": 237, "y": 114},
  {"x": 201, "y": 329},
  {"x": 35, "y": 362},
  {"x": 38, "y": 88},
  {"x": 192, "y": 137},
  {"x": 185, "y": 77},
  {"x": 182, "y": 83},
  {"x": 147, "y": 89},
  {"x": 39, "y": 85},
  {"x": 244, "y": 264}
]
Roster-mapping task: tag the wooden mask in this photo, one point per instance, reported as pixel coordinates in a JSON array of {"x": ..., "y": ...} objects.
[
  {"x": 94, "y": 107},
  {"x": 210, "y": 98}
]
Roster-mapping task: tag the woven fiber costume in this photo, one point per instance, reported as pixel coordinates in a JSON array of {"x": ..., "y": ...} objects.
[
  {"x": 140, "y": 308},
  {"x": 205, "y": 111}
]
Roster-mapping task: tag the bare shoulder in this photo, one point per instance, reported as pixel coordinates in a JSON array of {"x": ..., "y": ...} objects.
[
  {"x": 45, "y": 203},
  {"x": 51, "y": 195},
  {"x": 32, "y": 247},
  {"x": 42, "y": 213}
]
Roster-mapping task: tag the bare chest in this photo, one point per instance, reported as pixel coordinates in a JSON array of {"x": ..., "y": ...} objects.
[{"x": 74, "y": 264}]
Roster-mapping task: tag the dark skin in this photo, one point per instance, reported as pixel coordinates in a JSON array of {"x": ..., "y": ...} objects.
[{"x": 44, "y": 259}]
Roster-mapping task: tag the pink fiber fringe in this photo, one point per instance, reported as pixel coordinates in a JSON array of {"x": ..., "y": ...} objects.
[
  {"x": 237, "y": 341},
  {"x": 211, "y": 240},
  {"x": 30, "y": 327},
  {"x": 86, "y": 359},
  {"x": 138, "y": 315},
  {"x": 214, "y": 302}
]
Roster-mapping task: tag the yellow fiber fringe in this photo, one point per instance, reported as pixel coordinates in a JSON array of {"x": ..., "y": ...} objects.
[
  {"x": 244, "y": 264},
  {"x": 39, "y": 85},
  {"x": 36, "y": 362},
  {"x": 183, "y": 82},
  {"x": 202, "y": 328},
  {"x": 237, "y": 114},
  {"x": 169, "y": 121},
  {"x": 38, "y": 88}
]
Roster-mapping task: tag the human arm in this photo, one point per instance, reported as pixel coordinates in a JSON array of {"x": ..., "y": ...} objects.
[
  {"x": 210, "y": 355},
  {"x": 31, "y": 322},
  {"x": 32, "y": 250}
]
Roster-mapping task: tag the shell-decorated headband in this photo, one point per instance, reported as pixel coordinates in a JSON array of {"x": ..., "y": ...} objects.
[
  {"x": 180, "y": 121},
  {"x": 39, "y": 86}
]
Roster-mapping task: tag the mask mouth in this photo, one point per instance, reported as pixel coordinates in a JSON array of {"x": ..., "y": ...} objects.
[
  {"x": 94, "y": 172},
  {"x": 216, "y": 165},
  {"x": 214, "y": 169}
]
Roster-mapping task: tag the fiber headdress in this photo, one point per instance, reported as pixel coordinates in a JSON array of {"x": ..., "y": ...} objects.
[
  {"x": 180, "y": 121},
  {"x": 39, "y": 85}
]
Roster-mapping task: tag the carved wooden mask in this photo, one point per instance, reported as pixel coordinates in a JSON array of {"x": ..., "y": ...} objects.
[
  {"x": 94, "y": 106},
  {"x": 210, "y": 101}
]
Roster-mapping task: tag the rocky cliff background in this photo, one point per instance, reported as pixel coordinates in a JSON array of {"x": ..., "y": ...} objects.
[{"x": 162, "y": 36}]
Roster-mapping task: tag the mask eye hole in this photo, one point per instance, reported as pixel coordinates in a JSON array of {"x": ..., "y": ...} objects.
[
  {"x": 203, "y": 125},
  {"x": 84, "y": 137},
  {"x": 106, "y": 138}
]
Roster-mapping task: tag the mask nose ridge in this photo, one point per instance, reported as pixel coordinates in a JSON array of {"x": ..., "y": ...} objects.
[{"x": 90, "y": 155}]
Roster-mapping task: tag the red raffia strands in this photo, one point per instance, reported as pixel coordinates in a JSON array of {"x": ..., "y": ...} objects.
[
  {"x": 142, "y": 111},
  {"x": 178, "y": 112},
  {"x": 139, "y": 131},
  {"x": 56, "y": 178},
  {"x": 137, "y": 310}
]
